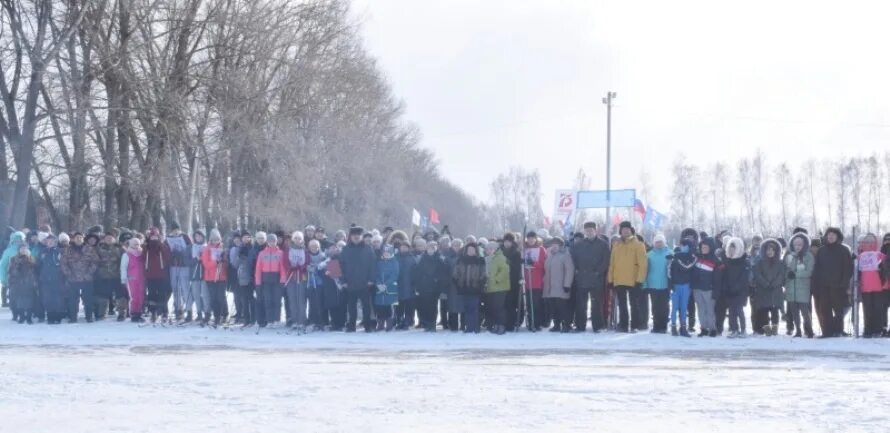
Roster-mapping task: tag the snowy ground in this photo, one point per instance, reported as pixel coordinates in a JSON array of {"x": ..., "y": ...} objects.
[{"x": 118, "y": 377}]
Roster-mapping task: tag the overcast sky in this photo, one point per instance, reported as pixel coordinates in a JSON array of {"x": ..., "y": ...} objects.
[{"x": 498, "y": 83}]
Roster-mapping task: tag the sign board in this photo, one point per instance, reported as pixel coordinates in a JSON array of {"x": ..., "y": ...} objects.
[
  {"x": 601, "y": 199},
  {"x": 565, "y": 204}
]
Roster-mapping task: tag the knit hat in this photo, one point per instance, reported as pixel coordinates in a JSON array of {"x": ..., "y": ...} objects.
[
  {"x": 271, "y": 238},
  {"x": 659, "y": 238},
  {"x": 174, "y": 225},
  {"x": 63, "y": 238},
  {"x": 214, "y": 235}
]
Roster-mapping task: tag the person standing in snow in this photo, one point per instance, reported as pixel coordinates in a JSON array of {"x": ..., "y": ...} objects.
[
  {"x": 270, "y": 276},
  {"x": 16, "y": 240},
  {"x": 157, "y": 274},
  {"x": 133, "y": 277},
  {"x": 658, "y": 260},
  {"x": 314, "y": 287},
  {"x": 51, "y": 281},
  {"x": 769, "y": 278},
  {"x": 23, "y": 283},
  {"x": 334, "y": 299},
  {"x": 885, "y": 275},
  {"x": 358, "y": 262},
  {"x": 590, "y": 256},
  {"x": 559, "y": 274},
  {"x": 179, "y": 245},
  {"x": 831, "y": 282},
  {"x": 533, "y": 258},
  {"x": 799, "y": 263},
  {"x": 513, "y": 305},
  {"x": 426, "y": 281},
  {"x": 682, "y": 268},
  {"x": 215, "y": 262},
  {"x": 296, "y": 264},
  {"x": 735, "y": 286},
  {"x": 407, "y": 297},
  {"x": 199, "y": 296},
  {"x": 627, "y": 273},
  {"x": 108, "y": 253},
  {"x": 469, "y": 280},
  {"x": 387, "y": 293},
  {"x": 497, "y": 288},
  {"x": 874, "y": 303},
  {"x": 79, "y": 263}
]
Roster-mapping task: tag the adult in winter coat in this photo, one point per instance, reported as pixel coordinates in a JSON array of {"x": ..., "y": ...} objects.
[
  {"x": 215, "y": 262},
  {"x": 831, "y": 282},
  {"x": 331, "y": 277},
  {"x": 359, "y": 276},
  {"x": 387, "y": 293},
  {"x": 512, "y": 304},
  {"x": 657, "y": 285},
  {"x": 199, "y": 296},
  {"x": 627, "y": 273},
  {"x": 497, "y": 289},
  {"x": 590, "y": 256},
  {"x": 769, "y": 278},
  {"x": 452, "y": 306},
  {"x": 133, "y": 277},
  {"x": 533, "y": 259},
  {"x": 269, "y": 278},
  {"x": 23, "y": 283},
  {"x": 51, "y": 281},
  {"x": 681, "y": 274},
  {"x": 799, "y": 263},
  {"x": 559, "y": 274},
  {"x": 108, "y": 253},
  {"x": 157, "y": 274},
  {"x": 426, "y": 280},
  {"x": 469, "y": 279},
  {"x": 874, "y": 303},
  {"x": 296, "y": 266},
  {"x": 16, "y": 240},
  {"x": 736, "y": 281},
  {"x": 79, "y": 262},
  {"x": 885, "y": 272},
  {"x": 407, "y": 297},
  {"x": 179, "y": 245}
]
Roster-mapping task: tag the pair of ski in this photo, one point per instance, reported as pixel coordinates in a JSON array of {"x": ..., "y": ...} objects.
[{"x": 525, "y": 304}]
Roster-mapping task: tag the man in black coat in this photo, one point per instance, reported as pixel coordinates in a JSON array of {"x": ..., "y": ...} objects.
[
  {"x": 514, "y": 308},
  {"x": 831, "y": 281},
  {"x": 359, "y": 264},
  {"x": 591, "y": 259}
]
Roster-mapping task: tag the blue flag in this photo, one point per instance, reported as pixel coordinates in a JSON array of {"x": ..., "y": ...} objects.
[{"x": 654, "y": 219}]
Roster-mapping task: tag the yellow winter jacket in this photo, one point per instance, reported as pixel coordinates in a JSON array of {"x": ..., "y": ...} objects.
[{"x": 627, "y": 265}]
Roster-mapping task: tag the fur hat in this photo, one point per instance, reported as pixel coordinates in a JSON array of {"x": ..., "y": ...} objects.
[
  {"x": 590, "y": 225},
  {"x": 356, "y": 230},
  {"x": 659, "y": 238},
  {"x": 510, "y": 237},
  {"x": 625, "y": 225},
  {"x": 799, "y": 230},
  {"x": 95, "y": 230},
  {"x": 260, "y": 237}
]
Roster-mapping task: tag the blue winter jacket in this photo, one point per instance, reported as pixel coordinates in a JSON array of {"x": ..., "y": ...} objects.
[
  {"x": 16, "y": 240},
  {"x": 657, "y": 271},
  {"x": 387, "y": 275}
]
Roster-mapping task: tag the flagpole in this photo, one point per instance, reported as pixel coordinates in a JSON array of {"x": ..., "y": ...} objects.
[{"x": 608, "y": 101}]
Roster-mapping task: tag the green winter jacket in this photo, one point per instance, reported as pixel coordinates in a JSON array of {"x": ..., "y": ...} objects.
[
  {"x": 498, "y": 273},
  {"x": 797, "y": 289}
]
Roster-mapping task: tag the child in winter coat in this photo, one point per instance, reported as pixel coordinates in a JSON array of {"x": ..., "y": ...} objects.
[
  {"x": 469, "y": 279},
  {"x": 314, "y": 286},
  {"x": 200, "y": 296},
  {"x": 872, "y": 288},
  {"x": 681, "y": 270},
  {"x": 133, "y": 277},
  {"x": 296, "y": 264},
  {"x": 799, "y": 264},
  {"x": 387, "y": 288},
  {"x": 23, "y": 283},
  {"x": 334, "y": 307},
  {"x": 769, "y": 277},
  {"x": 270, "y": 277},
  {"x": 736, "y": 283}
]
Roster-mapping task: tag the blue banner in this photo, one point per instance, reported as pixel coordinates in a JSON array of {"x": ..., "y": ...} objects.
[
  {"x": 600, "y": 199},
  {"x": 654, "y": 219}
]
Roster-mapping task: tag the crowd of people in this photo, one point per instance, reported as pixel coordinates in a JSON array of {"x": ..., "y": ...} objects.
[{"x": 386, "y": 281}]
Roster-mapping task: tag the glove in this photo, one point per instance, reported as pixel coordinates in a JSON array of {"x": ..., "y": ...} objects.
[
  {"x": 529, "y": 262},
  {"x": 791, "y": 275},
  {"x": 567, "y": 289}
]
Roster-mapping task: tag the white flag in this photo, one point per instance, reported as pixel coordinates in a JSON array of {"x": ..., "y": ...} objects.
[{"x": 415, "y": 217}]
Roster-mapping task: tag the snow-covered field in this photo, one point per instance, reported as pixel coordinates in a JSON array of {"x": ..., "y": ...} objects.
[{"x": 117, "y": 377}]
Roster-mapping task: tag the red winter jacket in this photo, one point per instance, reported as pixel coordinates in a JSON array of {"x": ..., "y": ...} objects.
[
  {"x": 270, "y": 260},
  {"x": 214, "y": 260},
  {"x": 157, "y": 260},
  {"x": 534, "y": 272}
]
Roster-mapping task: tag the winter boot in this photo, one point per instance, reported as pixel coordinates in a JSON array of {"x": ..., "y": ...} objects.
[
  {"x": 683, "y": 332},
  {"x": 188, "y": 317},
  {"x": 390, "y": 324},
  {"x": 555, "y": 328},
  {"x": 137, "y": 318},
  {"x": 713, "y": 333},
  {"x": 674, "y": 330}
]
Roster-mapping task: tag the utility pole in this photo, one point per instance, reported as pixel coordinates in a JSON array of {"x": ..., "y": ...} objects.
[{"x": 610, "y": 96}]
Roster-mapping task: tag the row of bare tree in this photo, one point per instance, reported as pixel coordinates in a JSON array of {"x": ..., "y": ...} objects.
[
  {"x": 753, "y": 196},
  {"x": 216, "y": 113}
]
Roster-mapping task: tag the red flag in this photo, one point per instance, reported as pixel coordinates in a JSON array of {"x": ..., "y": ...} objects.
[
  {"x": 639, "y": 209},
  {"x": 434, "y": 216},
  {"x": 616, "y": 219}
]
